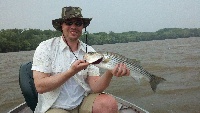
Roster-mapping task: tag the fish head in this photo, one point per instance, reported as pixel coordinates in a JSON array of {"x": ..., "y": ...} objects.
[{"x": 93, "y": 57}]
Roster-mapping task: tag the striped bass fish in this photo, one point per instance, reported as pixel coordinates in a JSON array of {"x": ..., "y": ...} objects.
[{"x": 108, "y": 60}]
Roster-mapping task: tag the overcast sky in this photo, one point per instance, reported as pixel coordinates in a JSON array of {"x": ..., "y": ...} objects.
[{"x": 108, "y": 15}]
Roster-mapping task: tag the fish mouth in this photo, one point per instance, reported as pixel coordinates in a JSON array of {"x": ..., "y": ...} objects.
[{"x": 97, "y": 61}]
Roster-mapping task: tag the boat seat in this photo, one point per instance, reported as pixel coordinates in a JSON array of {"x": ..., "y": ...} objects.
[{"x": 27, "y": 85}]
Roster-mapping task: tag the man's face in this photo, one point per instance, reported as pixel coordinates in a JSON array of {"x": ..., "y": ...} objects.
[{"x": 72, "y": 29}]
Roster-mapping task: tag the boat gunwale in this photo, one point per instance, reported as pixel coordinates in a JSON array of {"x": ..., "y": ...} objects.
[{"x": 18, "y": 108}]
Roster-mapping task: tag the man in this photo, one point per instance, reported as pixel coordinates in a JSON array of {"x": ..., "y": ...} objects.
[{"x": 65, "y": 82}]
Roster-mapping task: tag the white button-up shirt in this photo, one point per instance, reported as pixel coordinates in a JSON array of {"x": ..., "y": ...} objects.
[{"x": 53, "y": 56}]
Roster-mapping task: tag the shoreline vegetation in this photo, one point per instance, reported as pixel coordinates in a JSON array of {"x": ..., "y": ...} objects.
[{"x": 15, "y": 40}]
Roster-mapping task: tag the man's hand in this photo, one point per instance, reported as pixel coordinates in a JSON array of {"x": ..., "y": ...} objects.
[
  {"x": 79, "y": 65},
  {"x": 120, "y": 70}
]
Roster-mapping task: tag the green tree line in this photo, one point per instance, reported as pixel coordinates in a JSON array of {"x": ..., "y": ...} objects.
[{"x": 13, "y": 40}]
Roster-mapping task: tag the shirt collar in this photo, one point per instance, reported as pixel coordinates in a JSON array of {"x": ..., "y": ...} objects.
[
  {"x": 63, "y": 45},
  {"x": 81, "y": 46}
]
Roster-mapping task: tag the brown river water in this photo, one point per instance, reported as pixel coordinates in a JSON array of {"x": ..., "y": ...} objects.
[{"x": 176, "y": 60}]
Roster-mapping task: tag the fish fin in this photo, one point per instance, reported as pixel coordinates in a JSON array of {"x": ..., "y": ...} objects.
[
  {"x": 137, "y": 77},
  {"x": 154, "y": 81},
  {"x": 137, "y": 61}
]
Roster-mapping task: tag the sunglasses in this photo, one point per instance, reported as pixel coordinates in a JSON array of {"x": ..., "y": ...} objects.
[{"x": 78, "y": 23}]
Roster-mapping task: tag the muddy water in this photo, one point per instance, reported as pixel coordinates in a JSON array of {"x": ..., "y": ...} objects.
[{"x": 176, "y": 60}]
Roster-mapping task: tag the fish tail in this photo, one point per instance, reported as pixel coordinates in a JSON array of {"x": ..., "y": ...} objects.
[{"x": 154, "y": 81}]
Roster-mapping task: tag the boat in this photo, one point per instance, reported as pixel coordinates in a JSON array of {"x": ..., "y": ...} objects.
[
  {"x": 30, "y": 94},
  {"x": 123, "y": 106}
]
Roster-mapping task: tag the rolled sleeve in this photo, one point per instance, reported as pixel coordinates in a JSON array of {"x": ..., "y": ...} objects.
[
  {"x": 93, "y": 71},
  {"x": 42, "y": 59}
]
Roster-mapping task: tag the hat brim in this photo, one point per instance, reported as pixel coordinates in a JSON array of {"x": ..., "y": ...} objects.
[{"x": 58, "y": 22}]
